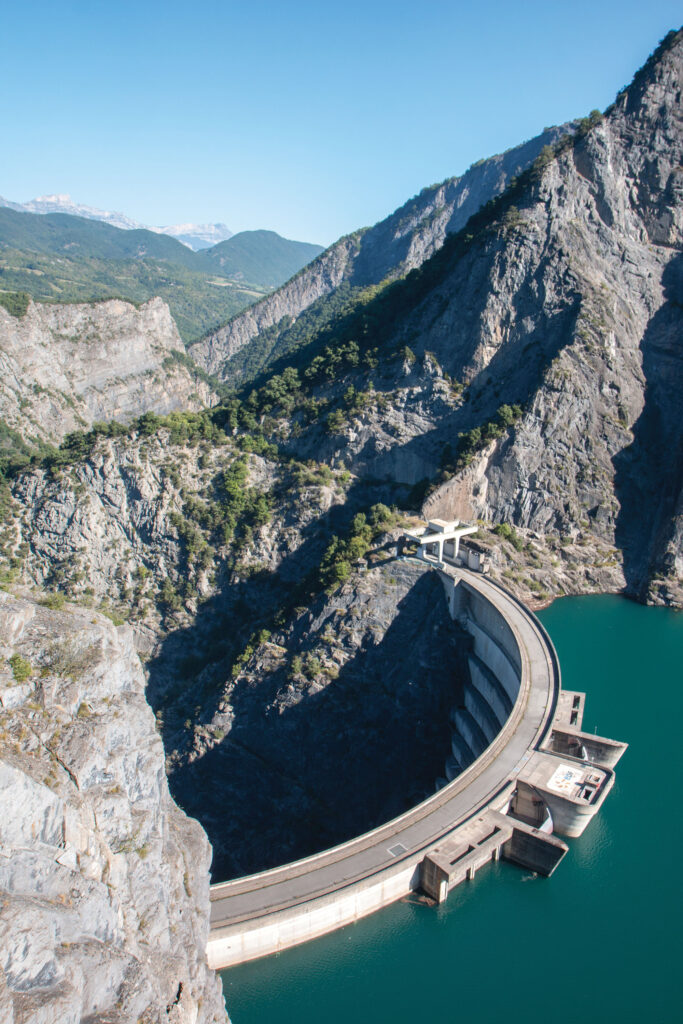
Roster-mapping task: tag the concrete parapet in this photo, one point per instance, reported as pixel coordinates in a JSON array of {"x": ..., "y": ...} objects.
[
  {"x": 570, "y": 708},
  {"x": 491, "y": 689},
  {"x": 462, "y": 752},
  {"x": 469, "y": 603},
  {"x": 482, "y": 713},
  {"x": 470, "y": 731},
  {"x": 495, "y": 657}
]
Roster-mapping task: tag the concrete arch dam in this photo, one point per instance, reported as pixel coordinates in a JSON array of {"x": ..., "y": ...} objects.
[{"x": 521, "y": 770}]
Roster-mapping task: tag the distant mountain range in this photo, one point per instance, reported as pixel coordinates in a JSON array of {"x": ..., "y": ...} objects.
[
  {"x": 194, "y": 236},
  {"x": 59, "y": 257}
]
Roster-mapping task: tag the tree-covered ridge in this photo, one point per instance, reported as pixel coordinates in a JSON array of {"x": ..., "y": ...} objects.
[
  {"x": 196, "y": 300},
  {"x": 260, "y": 258},
  {"x": 65, "y": 233}
]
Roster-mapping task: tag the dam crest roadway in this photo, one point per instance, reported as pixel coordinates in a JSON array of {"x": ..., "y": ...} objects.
[{"x": 521, "y": 770}]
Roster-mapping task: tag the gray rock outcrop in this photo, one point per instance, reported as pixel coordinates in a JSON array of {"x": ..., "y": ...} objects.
[
  {"x": 63, "y": 367},
  {"x": 103, "y": 880},
  {"x": 567, "y": 302}
]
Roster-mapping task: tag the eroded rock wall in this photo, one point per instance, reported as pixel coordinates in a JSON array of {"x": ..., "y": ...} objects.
[
  {"x": 103, "y": 880},
  {"x": 63, "y": 367}
]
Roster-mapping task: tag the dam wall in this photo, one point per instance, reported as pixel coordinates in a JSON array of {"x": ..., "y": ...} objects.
[
  {"x": 494, "y": 673},
  {"x": 325, "y": 913},
  {"x": 508, "y": 707},
  {"x": 518, "y": 759},
  {"x": 493, "y": 635}
]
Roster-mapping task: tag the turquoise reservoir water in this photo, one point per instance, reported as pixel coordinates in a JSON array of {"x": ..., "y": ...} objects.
[{"x": 598, "y": 942}]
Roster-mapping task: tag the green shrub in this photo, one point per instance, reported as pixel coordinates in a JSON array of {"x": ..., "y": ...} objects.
[
  {"x": 337, "y": 562},
  {"x": 21, "y": 668},
  {"x": 380, "y": 516},
  {"x": 509, "y": 533},
  {"x": 336, "y": 421},
  {"x": 16, "y": 303},
  {"x": 169, "y": 596},
  {"x": 471, "y": 441},
  {"x": 313, "y": 667}
]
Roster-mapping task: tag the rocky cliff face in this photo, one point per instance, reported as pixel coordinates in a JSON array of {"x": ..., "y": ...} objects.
[
  {"x": 104, "y": 881},
  {"x": 64, "y": 367},
  {"x": 139, "y": 526},
  {"x": 308, "y": 723},
  {"x": 391, "y": 248},
  {"x": 582, "y": 321},
  {"x": 337, "y": 722},
  {"x": 566, "y": 302}
]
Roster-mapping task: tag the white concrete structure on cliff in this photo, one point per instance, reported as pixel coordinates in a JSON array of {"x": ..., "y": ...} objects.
[{"x": 440, "y": 540}]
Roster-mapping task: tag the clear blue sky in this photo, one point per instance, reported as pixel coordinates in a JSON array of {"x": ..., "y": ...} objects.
[{"x": 310, "y": 118}]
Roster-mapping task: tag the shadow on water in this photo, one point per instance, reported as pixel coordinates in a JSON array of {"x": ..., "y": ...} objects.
[{"x": 649, "y": 472}]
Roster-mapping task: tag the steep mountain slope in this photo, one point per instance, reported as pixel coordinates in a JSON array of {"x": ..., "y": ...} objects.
[
  {"x": 564, "y": 298},
  {"x": 387, "y": 250},
  {"x": 64, "y": 367},
  {"x": 261, "y": 258},
  {"x": 528, "y": 373}
]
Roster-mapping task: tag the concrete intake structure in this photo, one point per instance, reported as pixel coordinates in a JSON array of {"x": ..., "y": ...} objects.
[{"x": 519, "y": 763}]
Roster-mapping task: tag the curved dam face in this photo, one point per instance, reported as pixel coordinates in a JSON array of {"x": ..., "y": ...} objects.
[
  {"x": 494, "y": 663},
  {"x": 519, "y": 762}
]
